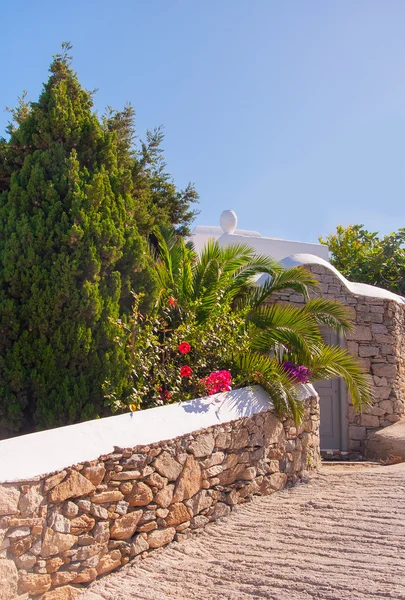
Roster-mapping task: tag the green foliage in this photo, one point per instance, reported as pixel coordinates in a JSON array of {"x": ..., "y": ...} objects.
[
  {"x": 211, "y": 301},
  {"x": 153, "y": 344},
  {"x": 156, "y": 199},
  {"x": 365, "y": 257},
  {"x": 74, "y": 193}
]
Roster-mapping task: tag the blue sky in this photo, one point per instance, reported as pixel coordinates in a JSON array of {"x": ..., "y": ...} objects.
[{"x": 292, "y": 113}]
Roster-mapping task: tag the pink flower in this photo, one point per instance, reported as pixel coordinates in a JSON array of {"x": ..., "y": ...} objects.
[
  {"x": 186, "y": 371},
  {"x": 172, "y": 301},
  {"x": 218, "y": 381},
  {"x": 184, "y": 348}
]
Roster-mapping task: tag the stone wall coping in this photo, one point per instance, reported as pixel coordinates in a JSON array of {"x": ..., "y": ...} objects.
[
  {"x": 29, "y": 456},
  {"x": 358, "y": 289}
]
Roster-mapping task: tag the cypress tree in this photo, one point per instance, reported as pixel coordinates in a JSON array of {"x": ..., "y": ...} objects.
[{"x": 70, "y": 252}]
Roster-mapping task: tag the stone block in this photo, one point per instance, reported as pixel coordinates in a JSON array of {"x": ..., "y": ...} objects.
[
  {"x": 61, "y": 524},
  {"x": 8, "y": 579},
  {"x": 141, "y": 495},
  {"x": 220, "y": 510},
  {"x": 164, "y": 497},
  {"x": 94, "y": 474},
  {"x": 240, "y": 439},
  {"x": 273, "y": 430},
  {"x": 384, "y": 369},
  {"x": 124, "y": 527},
  {"x": 156, "y": 480},
  {"x": 378, "y": 328},
  {"x": 248, "y": 474},
  {"x": 82, "y": 524},
  {"x": 109, "y": 562},
  {"x": 139, "y": 545},
  {"x": 25, "y": 561},
  {"x": 365, "y": 364},
  {"x": 277, "y": 481},
  {"x": 178, "y": 513},
  {"x": 101, "y": 532},
  {"x": 222, "y": 440},
  {"x": 382, "y": 392},
  {"x": 367, "y": 351},
  {"x": 74, "y": 486},
  {"x": 33, "y": 584},
  {"x": 387, "y": 406},
  {"x": 70, "y": 509},
  {"x": 369, "y": 420},
  {"x": 56, "y": 543},
  {"x": 161, "y": 537},
  {"x": 199, "y": 521},
  {"x": 86, "y": 575},
  {"x": 357, "y": 433},
  {"x": 203, "y": 445},
  {"x": 201, "y": 501},
  {"x": 189, "y": 482},
  {"x": 167, "y": 466},
  {"x": 31, "y": 501},
  {"x": 54, "y": 480},
  {"x": 9, "y": 498},
  {"x": 360, "y": 333},
  {"x": 125, "y": 476},
  {"x": 107, "y": 497}
]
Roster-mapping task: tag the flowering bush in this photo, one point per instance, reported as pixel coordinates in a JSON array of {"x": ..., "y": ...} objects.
[
  {"x": 184, "y": 348},
  {"x": 297, "y": 373},
  {"x": 209, "y": 327},
  {"x": 173, "y": 357},
  {"x": 218, "y": 381},
  {"x": 186, "y": 371}
]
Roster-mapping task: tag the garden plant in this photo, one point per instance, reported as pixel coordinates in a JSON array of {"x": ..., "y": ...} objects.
[{"x": 215, "y": 327}]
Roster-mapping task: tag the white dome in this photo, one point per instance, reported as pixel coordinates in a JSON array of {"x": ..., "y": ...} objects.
[{"x": 228, "y": 221}]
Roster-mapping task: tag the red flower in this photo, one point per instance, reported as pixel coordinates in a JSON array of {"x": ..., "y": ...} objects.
[
  {"x": 184, "y": 348},
  {"x": 172, "y": 301},
  {"x": 218, "y": 381},
  {"x": 186, "y": 371}
]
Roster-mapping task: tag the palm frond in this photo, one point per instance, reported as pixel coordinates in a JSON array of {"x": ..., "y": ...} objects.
[
  {"x": 328, "y": 362},
  {"x": 298, "y": 279},
  {"x": 330, "y": 313},
  {"x": 270, "y": 374},
  {"x": 283, "y": 323}
]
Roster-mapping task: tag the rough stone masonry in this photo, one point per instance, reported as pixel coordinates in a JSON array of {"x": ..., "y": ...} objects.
[
  {"x": 378, "y": 341},
  {"x": 61, "y": 531}
]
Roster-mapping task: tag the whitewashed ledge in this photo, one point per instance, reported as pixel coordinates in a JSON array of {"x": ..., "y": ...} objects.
[{"x": 29, "y": 456}]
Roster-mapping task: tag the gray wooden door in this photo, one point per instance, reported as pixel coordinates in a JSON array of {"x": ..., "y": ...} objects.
[{"x": 330, "y": 406}]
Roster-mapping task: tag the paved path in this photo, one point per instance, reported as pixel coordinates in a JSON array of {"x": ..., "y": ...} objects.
[{"x": 339, "y": 537}]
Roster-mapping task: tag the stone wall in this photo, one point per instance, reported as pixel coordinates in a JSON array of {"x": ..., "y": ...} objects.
[
  {"x": 61, "y": 531},
  {"x": 378, "y": 341}
]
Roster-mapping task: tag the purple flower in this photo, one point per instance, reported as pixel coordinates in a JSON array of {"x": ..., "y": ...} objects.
[{"x": 297, "y": 373}]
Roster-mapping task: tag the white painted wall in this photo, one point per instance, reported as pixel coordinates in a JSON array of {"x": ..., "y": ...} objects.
[
  {"x": 360, "y": 289},
  {"x": 274, "y": 247},
  {"x": 29, "y": 456},
  {"x": 203, "y": 233}
]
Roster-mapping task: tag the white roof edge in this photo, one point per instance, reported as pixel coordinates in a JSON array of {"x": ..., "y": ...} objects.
[
  {"x": 241, "y": 233},
  {"x": 217, "y": 231},
  {"x": 359, "y": 289}
]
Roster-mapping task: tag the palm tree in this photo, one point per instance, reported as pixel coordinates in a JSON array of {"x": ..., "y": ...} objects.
[{"x": 278, "y": 333}]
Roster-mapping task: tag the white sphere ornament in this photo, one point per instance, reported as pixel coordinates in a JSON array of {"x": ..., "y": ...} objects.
[{"x": 228, "y": 221}]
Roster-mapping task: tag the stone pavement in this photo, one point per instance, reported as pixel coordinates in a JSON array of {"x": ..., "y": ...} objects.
[{"x": 339, "y": 536}]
